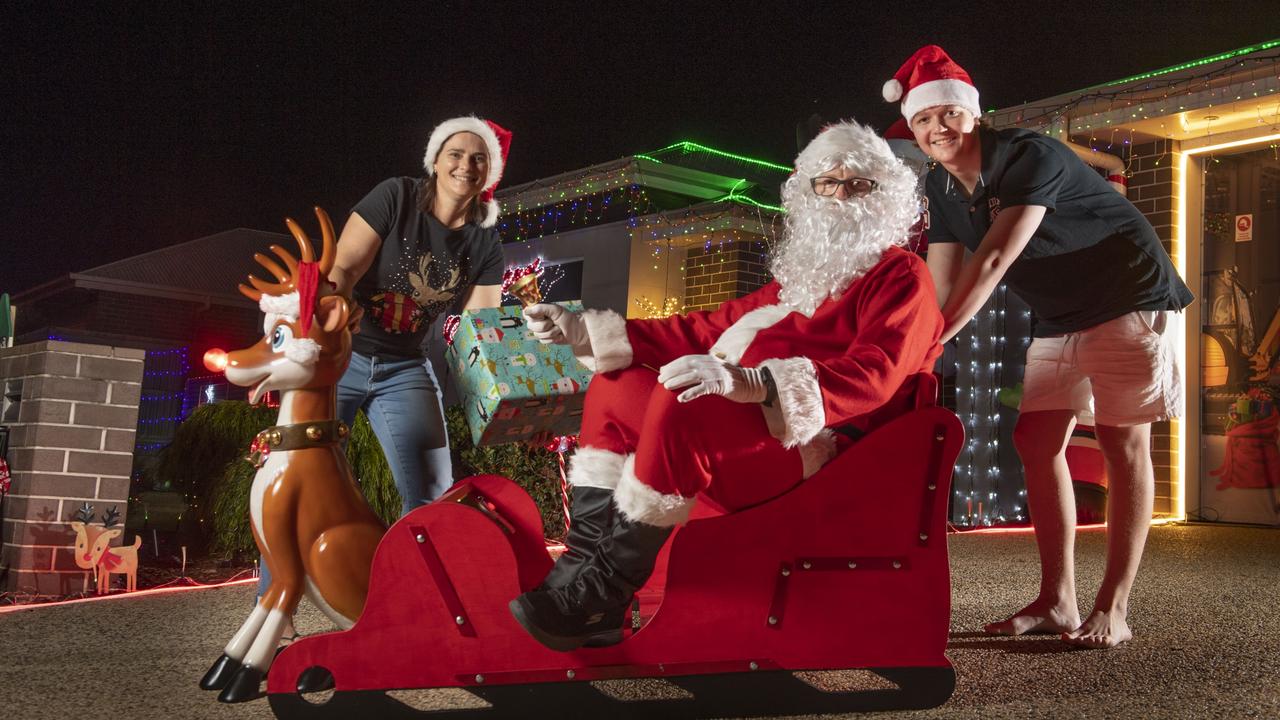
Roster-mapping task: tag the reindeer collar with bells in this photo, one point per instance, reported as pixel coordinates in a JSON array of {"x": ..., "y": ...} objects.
[{"x": 297, "y": 436}]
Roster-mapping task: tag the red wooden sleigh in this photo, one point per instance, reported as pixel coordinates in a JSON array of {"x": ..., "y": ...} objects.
[{"x": 847, "y": 570}]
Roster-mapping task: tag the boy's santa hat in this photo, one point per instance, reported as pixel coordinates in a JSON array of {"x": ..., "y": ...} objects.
[
  {"x": 930, "y": 78},
  {"x": 497, "y": 140}
]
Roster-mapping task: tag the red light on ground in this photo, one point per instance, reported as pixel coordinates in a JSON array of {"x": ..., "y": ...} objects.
[
  {"x": 215, "y": 360},
  {"x": 162, "y": 590}
]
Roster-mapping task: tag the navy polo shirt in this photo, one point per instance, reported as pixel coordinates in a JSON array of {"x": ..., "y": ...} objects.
[{"x": 1094, "y": 256}]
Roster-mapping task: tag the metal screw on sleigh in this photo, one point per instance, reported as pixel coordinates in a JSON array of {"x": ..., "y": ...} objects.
[{"x": 316, "y": 533}]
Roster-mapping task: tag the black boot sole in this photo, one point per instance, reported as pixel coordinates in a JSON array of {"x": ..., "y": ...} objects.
[
  {"x": 523, "y": 615},
  {"x": 604, "y": 638}
]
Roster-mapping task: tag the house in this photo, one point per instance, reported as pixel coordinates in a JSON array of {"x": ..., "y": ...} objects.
[{"x": 1200, "y": 145}]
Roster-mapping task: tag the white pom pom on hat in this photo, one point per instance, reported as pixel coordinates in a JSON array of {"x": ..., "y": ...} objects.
[{"x": 892, "y": 90}]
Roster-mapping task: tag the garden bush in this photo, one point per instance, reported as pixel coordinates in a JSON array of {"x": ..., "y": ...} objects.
[{"x": 205, "y": 461}]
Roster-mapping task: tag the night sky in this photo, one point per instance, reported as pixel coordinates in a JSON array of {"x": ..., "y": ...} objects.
[{"x": 131, "y": 126}]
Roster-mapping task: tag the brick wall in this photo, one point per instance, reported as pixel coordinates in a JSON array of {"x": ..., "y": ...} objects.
[
  {"x": 71, "y": 442},
  {"x": 1153, "y": 189},
  {"x": 724, "y": 272}
]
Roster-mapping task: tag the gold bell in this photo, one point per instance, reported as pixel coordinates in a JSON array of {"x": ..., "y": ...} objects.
[
  {"x": 342, "y": 430},
  {"x": 274, "y": 437},
  {"x": 314, "y": 433}
]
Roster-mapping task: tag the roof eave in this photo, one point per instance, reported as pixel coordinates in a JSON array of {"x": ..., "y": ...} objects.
[{"x": 130, "y": 287}]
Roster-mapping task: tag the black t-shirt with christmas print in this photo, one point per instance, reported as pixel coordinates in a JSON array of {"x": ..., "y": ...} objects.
[
  {"x": 421, "y": 270},
  {"x": 1094, "y": 256}
]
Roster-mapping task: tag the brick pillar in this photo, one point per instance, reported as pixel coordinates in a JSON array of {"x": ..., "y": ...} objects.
[
  {"x": 724, "y": 272},
  {"x": 72, "y": 410},
  {"x": 1153, "y": 189}
]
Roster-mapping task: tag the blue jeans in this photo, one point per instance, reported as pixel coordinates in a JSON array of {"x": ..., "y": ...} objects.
[{"x": 402, "y": 400}]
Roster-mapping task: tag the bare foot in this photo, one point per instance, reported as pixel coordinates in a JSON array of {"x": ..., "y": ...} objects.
[
  {"x": 1100, "y": 631},
  {"x": 1036, "y": 619}
]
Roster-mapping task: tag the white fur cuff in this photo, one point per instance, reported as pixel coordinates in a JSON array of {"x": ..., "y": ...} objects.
[
  {"x": 593, "y": 467},
  {"x": 640, "y": 503},
  {"x": 800, "y": 399},
  {"x": 610, "y": 348},
  {"x": 818, "y": 452}
]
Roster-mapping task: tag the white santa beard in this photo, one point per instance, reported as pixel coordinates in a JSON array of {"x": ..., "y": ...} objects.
[{"x": 830, "y": 243}]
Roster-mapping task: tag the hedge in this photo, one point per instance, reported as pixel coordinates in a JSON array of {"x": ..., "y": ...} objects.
[{"x": 205, "y": 461}]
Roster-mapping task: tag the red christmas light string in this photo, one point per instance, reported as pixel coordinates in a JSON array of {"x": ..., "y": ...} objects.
[{"x": 159, "y": 590}]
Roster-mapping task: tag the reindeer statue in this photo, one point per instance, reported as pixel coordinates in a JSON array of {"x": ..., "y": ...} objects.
[
  {"x": 93, "y": 550},
  {"x": 316, "y": 533}
]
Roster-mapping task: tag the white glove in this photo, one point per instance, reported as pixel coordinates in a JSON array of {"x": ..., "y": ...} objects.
[
  {"x": 707, "y": 375},
  {"x": 551, "y": 323}
]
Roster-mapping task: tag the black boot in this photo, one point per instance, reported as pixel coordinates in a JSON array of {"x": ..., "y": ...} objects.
[
  {"x": 590, "y": 519},
  {"x": 597, "y": 600}
]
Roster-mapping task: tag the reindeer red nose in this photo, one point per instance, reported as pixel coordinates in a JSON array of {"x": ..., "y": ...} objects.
[{"x": 216, "y": 360}]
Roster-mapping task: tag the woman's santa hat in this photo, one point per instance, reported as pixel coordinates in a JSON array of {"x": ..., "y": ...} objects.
[
  {"x": 930, "y": 78},
  {"x": 497, "y": 141}
]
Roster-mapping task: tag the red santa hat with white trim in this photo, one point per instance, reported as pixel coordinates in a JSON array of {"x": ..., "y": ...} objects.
[
  {"x": 497, "y": 140},
  {"x": 930, "y": 78}
]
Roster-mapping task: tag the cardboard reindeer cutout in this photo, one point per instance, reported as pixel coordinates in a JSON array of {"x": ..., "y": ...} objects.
[
  {"x": 94, "y": 551},
  {"x": 316, "y": 533}
]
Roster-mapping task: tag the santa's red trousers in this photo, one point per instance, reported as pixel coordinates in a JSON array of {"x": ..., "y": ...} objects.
[{"x": 710, "y": 445}]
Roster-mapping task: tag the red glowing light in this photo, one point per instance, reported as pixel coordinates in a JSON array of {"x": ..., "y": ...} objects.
[
  {"x": 215, "y": 359},
  {"x": 136, "y": 593}
]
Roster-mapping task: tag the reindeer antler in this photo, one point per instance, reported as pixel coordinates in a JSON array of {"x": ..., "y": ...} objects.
[
  {"x": 110, "y": 517},
  {"x": 329, "y": 246},
  {"x": 287, "y": 276},
  {"x": 84, "y": 514}
]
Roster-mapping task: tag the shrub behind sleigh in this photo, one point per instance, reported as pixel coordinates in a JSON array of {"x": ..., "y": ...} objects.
[{"x": 205, "y": 461}]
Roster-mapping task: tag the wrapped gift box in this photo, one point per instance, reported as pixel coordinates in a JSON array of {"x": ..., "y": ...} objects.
[{"x": 513, "y": 386}]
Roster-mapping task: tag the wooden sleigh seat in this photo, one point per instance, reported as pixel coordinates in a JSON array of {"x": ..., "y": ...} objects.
[{"x": 847, "y": 570}]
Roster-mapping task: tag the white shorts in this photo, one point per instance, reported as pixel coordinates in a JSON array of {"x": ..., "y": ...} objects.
[{"x": 1124, "y": 371}]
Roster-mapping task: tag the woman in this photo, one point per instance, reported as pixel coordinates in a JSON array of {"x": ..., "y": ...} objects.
[
  {"x": 1100, "y": 285},
  {"x": 411, "y": 249}
]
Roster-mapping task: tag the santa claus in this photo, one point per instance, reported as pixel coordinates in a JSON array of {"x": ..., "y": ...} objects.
[{"x": 748, "y": 396}]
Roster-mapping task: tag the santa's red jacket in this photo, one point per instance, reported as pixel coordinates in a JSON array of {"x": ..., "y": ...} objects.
[{"x": 844, "y": 366}]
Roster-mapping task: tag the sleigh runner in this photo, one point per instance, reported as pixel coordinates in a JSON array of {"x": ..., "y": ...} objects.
[{"x": 847, "y": 570}]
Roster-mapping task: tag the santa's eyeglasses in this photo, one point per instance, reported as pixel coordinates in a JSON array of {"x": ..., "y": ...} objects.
[{"x": 853, "y": 187}]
